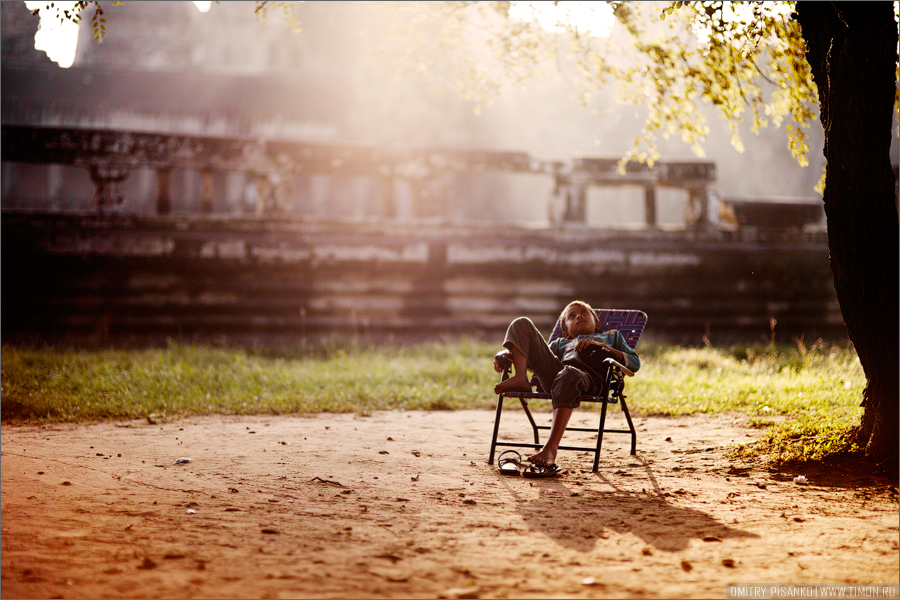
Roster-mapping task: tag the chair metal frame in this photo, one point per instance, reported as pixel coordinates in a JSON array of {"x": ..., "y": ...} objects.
[{"x": 631, "y": 324}]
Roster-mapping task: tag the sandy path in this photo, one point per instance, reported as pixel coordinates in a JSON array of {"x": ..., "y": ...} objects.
[{"x": 403, "y": 504}]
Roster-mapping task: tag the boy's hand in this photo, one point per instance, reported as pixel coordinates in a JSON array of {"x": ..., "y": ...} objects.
[{"x": 583, "y": 343}]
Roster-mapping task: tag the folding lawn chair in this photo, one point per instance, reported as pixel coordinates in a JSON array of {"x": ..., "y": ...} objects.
[{"x": 631, "y": 324}]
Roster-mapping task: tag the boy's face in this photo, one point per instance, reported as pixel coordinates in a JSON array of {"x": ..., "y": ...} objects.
[{"x": 579, "y": 320}]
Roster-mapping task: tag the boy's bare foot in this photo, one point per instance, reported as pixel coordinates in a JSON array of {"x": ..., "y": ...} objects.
[
  {"x": 516, "y": 383},
  {"x": 543, "y": 458}
]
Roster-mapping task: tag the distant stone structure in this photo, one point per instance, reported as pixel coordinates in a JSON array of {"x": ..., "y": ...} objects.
[
  {"x": 175, "y": 184},
  {"x": 165, "y": 68}
]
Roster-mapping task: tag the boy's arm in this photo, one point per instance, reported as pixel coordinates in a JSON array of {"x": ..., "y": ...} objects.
[{"x": 632, "y": 361}]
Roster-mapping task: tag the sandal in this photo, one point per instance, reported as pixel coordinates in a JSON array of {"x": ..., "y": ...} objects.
[
  {"x": 536, "y": 471},
  {"x": 509, "y": 465}
]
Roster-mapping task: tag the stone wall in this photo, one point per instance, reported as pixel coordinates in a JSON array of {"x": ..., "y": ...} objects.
[{"x": 144, "y": 279}]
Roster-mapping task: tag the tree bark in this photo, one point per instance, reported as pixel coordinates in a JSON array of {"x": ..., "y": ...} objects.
[{"x": 852, "y": 50}]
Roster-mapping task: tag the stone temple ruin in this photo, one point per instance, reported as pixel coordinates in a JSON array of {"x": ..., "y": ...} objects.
[{"x": 123, "y": 219}]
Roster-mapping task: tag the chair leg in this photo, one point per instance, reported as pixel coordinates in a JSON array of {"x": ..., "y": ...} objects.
[
  {"x": 496, "y": 429},
  {"x": 534, "y": 427},
  {"x": 630, "y": 426},
  {"x": 599, "y": 436}
]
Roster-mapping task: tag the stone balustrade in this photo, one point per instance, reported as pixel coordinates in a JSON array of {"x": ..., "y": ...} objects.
[{"x": 110, "y": 155}]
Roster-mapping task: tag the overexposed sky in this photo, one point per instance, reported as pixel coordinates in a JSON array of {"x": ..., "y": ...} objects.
[
  {"x": 59, "y": 39},
  {"x": 594, "y": 18}
]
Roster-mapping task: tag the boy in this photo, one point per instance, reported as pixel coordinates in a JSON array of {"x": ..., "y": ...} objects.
[{"x": 566, "y": 383}]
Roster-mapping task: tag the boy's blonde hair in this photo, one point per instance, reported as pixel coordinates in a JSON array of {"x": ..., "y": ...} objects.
[{"x": 562, "y": 323}]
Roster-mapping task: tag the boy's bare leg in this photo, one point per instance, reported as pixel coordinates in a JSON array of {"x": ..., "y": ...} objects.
[
  {"x": 518, "y": 382},
  {"x": 547, "y": 454}
]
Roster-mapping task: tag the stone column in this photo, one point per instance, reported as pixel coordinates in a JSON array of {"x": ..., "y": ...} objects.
[
  {"x": 575, "y": 198},
  {"x": 206, "y": 191},
  {"x": 696, "y": 210},
  {"x": 108, "y": 186},
  {"x": 650, "y": 206},
  {"x": 163, "y": 191}
]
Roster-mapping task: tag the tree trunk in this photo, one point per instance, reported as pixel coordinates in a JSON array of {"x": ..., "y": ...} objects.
[{"x": 852, "y": 49}]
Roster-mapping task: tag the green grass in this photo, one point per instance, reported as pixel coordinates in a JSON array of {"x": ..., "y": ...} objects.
[
  {"x": 806, "y": 398},
  {"x": 52, "y": 384}
]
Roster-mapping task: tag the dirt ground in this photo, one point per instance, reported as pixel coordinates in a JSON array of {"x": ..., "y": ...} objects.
[{"x": 403, "y": 504}]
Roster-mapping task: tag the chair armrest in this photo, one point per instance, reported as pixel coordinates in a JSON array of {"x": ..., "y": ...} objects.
[{"x": 620, "y": 366}]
